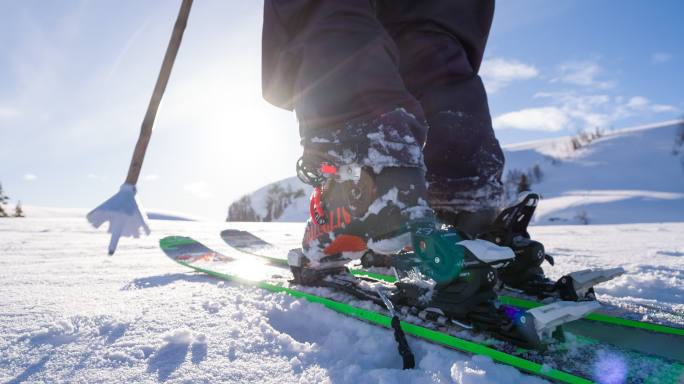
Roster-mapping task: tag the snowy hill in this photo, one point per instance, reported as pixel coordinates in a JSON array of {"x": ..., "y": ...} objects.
[
  {"x": 627, "y": 176},
  {"x": 633, "y": 175},
  {"x": 38, "y": 212},
  {"x": 283, "y": 201}
]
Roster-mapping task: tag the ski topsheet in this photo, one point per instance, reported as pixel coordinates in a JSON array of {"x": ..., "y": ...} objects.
[
  {"x": 578, "y": 360},
  {"x": 249, "y": 243}
]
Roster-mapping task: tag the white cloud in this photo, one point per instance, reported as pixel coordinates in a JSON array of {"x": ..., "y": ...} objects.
[
  {"x": 549, "y": 119},
  {"x": 583, "y": 73},
  {"x": 498, "y": 73},
  {"x": 642, "y": 104},
  {"x": 151, "y": 177},
  {"x": 581, "y": 110},
  {"x": 660, "y": 57},
  {"x": 570, "y": 110},
  {"x": 30, "y": 177},
  {"x": 199, "y": 189},
  {"x": 638, "y": 102},
  {"x": 662, "y": 108},
  {"x": 574, "y": 100}
]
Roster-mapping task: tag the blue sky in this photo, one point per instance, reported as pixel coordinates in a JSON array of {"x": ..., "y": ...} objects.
[{"x": 75, "y": 79}]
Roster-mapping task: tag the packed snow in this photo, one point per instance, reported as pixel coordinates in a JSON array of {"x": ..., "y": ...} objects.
[
  {"x": 70, "y": 313},
  {"x": 34, "y": 212}
]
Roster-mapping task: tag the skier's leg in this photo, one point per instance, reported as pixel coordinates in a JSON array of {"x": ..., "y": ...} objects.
[
  {"x": 334, "y": 64},
  {"x": 361, "y": 130},
  {"x": 441, "y": 45}
]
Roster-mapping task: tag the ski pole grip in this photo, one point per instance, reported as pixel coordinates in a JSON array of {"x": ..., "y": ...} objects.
[
  {"x": 404, "y": 350},
  {"x": 159, "y": 88}
]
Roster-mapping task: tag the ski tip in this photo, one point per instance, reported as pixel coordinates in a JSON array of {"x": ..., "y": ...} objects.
[{"x": 175, "y": 241}]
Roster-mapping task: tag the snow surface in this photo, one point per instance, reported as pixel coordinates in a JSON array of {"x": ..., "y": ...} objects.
[
  {"x": 627, "y": 176},
  {"x": 37, "y": 212},
  {"x": 70, "y": 313}
]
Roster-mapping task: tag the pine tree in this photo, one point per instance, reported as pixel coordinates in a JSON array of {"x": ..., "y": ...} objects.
[
  {"x": 242, "y": 210},
  {"x": 536, "y": 174},
  {"x": 523, "y": 184},
  {"x": 3, "y": 200},
  {"x": 18, "y": 212},
  {"x": 679, "y": 137}
]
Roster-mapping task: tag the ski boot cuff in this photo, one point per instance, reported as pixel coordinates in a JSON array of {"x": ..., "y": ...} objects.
[
  {"x": 469, "y": 194},
  {"x": 470, "y": 223},
  {"x": 393, "y": 139}
]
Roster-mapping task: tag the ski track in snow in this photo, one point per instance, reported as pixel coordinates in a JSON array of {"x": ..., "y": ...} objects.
[{"x": 70, "y": 313}]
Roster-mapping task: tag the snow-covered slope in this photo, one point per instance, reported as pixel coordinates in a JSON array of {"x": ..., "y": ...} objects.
[
  {"x": 625, "y": 176},
  {"x": 38, "y": 212},
  {"x": 170, "y": 215},
  {"x": 70, "y": 313},
  {"x": 282, "y": 201}
]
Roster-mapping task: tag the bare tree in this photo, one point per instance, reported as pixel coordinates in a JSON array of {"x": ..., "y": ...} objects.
[{"x": 582, "y": 217}]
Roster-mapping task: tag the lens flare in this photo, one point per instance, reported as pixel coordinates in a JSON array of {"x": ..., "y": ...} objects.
[
  {"x": 610, "y": 368},
  {"x": 512, "y": 313}
]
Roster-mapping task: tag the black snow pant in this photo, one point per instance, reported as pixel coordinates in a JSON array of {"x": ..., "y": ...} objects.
[{"x": 389, "y": 83}]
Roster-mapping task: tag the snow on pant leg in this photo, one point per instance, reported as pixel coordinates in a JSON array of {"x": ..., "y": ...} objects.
[
  {"x": 441, "y": 43},
  {"x": 335, "y": 65}
]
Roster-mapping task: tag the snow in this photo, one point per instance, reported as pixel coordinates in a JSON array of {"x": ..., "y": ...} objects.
[
  {"x": 69, "y": 313},
  {"x": 626, "y": 176},
  {"x": 293, "y": 212},
  {"x": 389, "y": 246},
  {"x": 53, "y": 212},
  {"x": 170, "y": 215},
  {"x": 41, "y": 212}
]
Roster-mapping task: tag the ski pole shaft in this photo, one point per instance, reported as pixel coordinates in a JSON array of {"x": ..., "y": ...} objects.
[
  {"x": 407, "y": 358},
  {"x": 159, "y": 88}
]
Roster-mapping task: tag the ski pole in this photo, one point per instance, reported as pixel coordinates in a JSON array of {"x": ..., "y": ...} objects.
[
  {"x": 408, "y": 360},
  {"x": 123, "y": 211}
]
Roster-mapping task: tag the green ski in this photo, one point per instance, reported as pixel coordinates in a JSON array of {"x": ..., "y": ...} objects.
[
  {"x": 249, "y": 243},
  {"x": 249, "y": 271}
]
